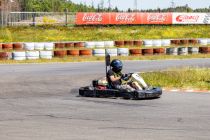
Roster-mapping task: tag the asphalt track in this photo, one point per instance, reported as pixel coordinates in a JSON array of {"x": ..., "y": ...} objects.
[{"x": 39, "y": 102}]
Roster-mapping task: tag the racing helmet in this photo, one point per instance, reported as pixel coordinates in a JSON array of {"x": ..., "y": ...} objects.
[{"x": 116, "y": 65}]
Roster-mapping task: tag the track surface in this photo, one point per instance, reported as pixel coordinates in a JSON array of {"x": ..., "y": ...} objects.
[{"x": 38, "y": 102}]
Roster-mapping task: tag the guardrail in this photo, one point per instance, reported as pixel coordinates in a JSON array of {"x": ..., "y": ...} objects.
[{"x": 40, "y": 18}]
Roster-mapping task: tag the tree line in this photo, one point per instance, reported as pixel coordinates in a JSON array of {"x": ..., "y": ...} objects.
[{"x": 62, "y": 5}]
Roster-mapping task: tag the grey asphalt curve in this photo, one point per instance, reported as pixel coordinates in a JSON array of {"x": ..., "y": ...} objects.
[{"x": 40, "y": 102}]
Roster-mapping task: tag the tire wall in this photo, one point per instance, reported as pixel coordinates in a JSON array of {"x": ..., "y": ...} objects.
[{"x": 48, "y": 50}]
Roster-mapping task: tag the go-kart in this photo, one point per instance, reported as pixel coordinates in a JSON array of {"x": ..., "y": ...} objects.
[{"x": 101, "y": 88}]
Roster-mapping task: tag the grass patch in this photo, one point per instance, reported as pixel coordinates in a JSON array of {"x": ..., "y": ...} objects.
[
  {"x": 93, "y": 58},
  {"x": 185, "y": 78},
  {"x": 55, "y": 33}
]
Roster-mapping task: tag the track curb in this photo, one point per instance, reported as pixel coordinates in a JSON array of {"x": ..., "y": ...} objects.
[{"x": 186, "y": 90}]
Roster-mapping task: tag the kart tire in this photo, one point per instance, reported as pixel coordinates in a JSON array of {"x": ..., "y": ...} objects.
[
  {"x": 138, "y": 43},
  {"x": 165, "y": 42},
  {"x": 148, "y": 43},
  {"x": 87, "y": 92},
  {"x": 69, "y": 45},
  {"x": 109, "y": 43},
  {"x": 49, "y": 46},
  {"x": 99, "y": 44},
  {"x": 203, "y": 41},
  {"x": 85, "y": 52},
  {"x": 79, "y": 44},
  {"x": 7, "y": 46},
  {"x": 46, "y": 54},
  {"x": 28, "y": 46},
  {"x": 19, "y": 54},
  {"x": 39, "y": 46},
  {"x": 90, "y": 45},
  {"x": 123, "y": 51},
  {"x": 157, "y": 43},
  {"x": 193, "y": 50},
  {"x": 17, "y": 46},
  {"x": 193, "y": 41}
]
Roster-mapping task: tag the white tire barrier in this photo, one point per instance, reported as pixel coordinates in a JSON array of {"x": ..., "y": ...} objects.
[
  {"x": 39, "y": 46},
  {"x": 182, "y": 51},
  {"x": 172, "y": 51},
  {"x": 203, "y": 41},
  {"x": 29, "y": 46},
  {"x": 123, "y": 51},
  {"x": 90, "y": 45},
  {"x": 31, "y": 55},
  {"x": 99, "y": 52},
  {"x": 49, "y": 46},
  {"x": 193, "y": 50},
  {"x": 148, "y": 43},
  {"x": 208, "y": 41},
  {"x": 19, "y": 55},
  {"x": 165, "y": 42},
  {"x": 111, "y": 52},
  {"x": 109, "y": 43},
  {"x": 46, "y": 54},
  {"x": 157, "y": 43},
  {"x": 99, "y": 44}
]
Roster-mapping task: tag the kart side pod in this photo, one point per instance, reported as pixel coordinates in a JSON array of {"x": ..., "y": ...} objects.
[{"x": 91, "y": 91}]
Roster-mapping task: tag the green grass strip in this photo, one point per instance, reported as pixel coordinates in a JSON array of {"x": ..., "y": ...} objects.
[
  {"x": 56, "y": 33},
  {"x": 185, "y": 78}
]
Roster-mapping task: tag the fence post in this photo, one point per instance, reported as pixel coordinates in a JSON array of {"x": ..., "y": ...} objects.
[
  {"x": 33, "y": 18},
  {"x": 66, "y": 16}
]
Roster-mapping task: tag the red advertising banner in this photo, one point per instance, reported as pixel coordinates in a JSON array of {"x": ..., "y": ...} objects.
[
  {"x": 156, "y": 18},
  {"x": 125, "y": 18},
  {"x": 92, "y": 18}
]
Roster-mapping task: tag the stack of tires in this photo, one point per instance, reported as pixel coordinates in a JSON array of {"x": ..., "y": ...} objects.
[
  {"x": 112, "y": 52},
  {"x": 90, "y": 45},
  {"x": 157, "y": 43},
  {"x": 203, "y": 41},
  {"x": 86, "y": 52},
  {"x": 99, "y": 52},
  {"x": 172, "y": 51},
  {"x": 135, "y": 52},
  {"x": 109, "y": 44},
  {"x": 34, "y": 51},
  {"x": 204, "y": 50},
  {"x": 99, "y": 44},
  {"x": 208, "y": 41},
  {"x": 182, "y": 51},
  {"x": 122, "y": 52},
  {"x": 165, "y": 42},
  {"x": 193, "y": 50},
  {"x": 148, "y": 43},
  {"x": 5, "y": 55}
]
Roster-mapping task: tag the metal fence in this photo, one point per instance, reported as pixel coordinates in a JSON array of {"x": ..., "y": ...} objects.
[{"x": 38, "y": 18}]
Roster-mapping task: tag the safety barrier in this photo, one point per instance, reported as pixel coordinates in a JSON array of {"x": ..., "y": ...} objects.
[{"x": 48, "y": 50}]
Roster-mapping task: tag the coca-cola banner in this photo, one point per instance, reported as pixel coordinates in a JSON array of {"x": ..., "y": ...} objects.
[
  {"x": 191, "y": 18},
  {"x": 156, "y": 18},
  {"x": 92, "y": 18},
  {"x": 141, "y": 18},
  {"x": 125, "y": 18}
]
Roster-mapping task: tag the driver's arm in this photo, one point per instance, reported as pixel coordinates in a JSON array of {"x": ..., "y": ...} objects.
[{"x": 113, "y": 79}]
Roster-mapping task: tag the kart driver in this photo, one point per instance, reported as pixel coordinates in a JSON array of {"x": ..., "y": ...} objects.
[{"x": 115, "y": 78}]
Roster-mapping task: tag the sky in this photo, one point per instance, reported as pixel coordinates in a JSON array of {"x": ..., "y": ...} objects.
[{"x": 148, "y": 4}]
